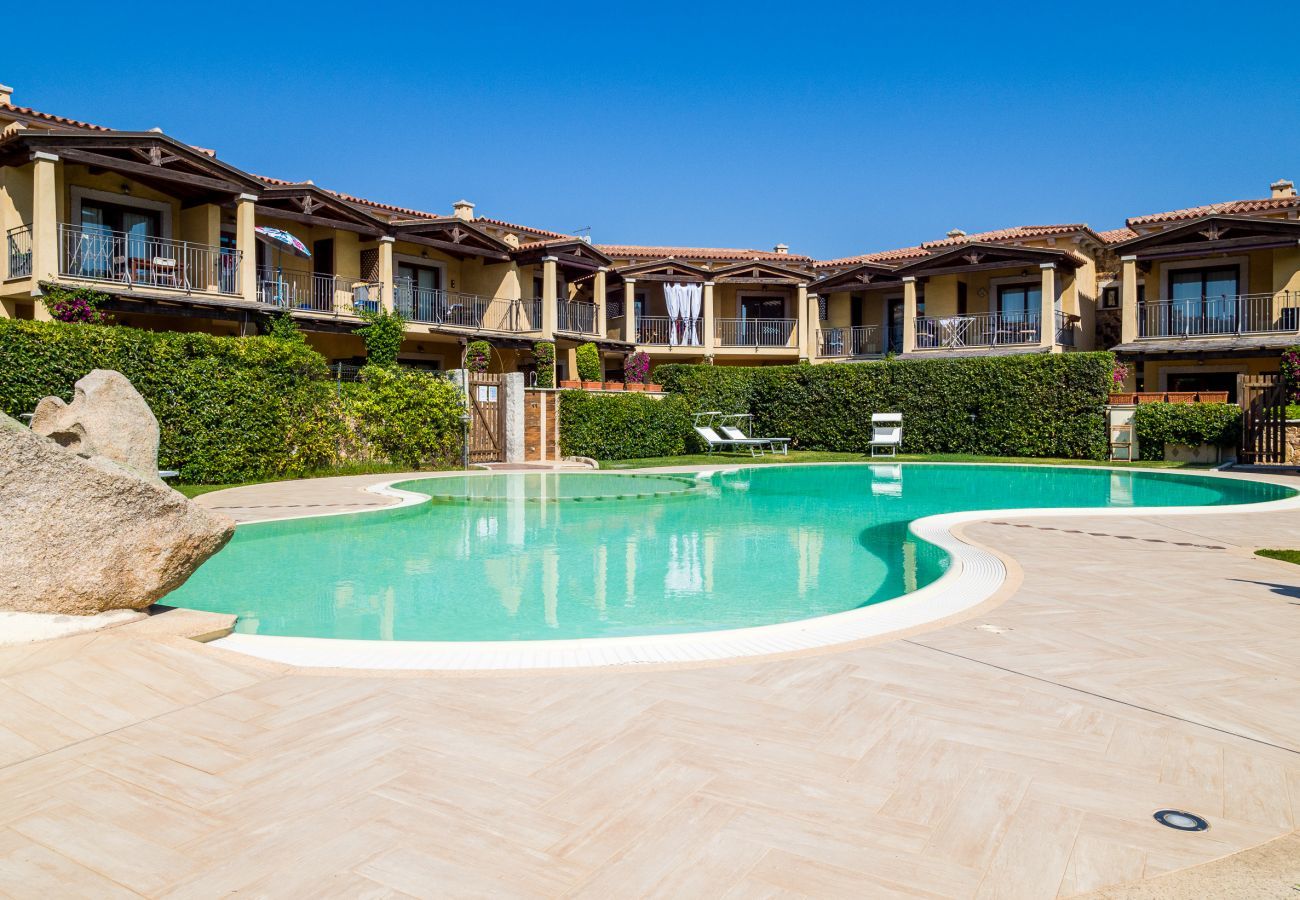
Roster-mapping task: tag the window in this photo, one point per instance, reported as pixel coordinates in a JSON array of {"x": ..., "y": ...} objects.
[
  {"x": 116, "y": 239},
  {"x": 1208, "y": 295},
  {"x": 1110, "y": 298},
  {"x": 416, "y": 292},
  {"x": 762, "y": 307},
  {"x": 1020, "y": 302}
]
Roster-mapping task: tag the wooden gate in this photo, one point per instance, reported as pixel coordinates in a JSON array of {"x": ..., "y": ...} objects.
[
  {"x": 487, "y": 417},
  {"x": 1263, "y": 419}
]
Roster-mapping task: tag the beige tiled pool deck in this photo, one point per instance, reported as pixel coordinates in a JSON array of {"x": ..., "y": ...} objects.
[{"x": 1140, "y": 663}]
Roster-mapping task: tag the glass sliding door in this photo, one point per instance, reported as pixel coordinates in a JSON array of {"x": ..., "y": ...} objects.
[
  {"x": 418, "y": 292},
  {"x": 1203, "y": 301}
]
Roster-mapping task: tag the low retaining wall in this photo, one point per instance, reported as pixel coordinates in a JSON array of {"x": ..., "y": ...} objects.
[{"x": 1292, "y": 442}]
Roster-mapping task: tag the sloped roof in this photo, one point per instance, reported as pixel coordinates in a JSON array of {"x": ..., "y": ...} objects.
[
  {"x": 1228, "y": 207},
  {"x": 634, "y": 251}
]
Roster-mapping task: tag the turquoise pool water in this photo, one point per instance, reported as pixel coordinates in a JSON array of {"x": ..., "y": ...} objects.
[{"x": 533, "y": 556}]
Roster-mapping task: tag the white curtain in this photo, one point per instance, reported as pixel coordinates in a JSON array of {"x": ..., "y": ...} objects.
[
  {"x": 672, "y": 300},
  {"x": 696, "y": 292}
]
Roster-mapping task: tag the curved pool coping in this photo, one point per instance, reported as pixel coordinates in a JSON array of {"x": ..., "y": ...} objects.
[{"x": 975, "y": 575}]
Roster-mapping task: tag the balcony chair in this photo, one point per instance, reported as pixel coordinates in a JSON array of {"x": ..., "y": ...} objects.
[{"x": 886, "y": 433}]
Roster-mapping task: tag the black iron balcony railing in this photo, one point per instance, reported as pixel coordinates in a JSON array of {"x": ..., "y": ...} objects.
[
  {"x": 18, "y": 242},
  {"x": 140, "y": 260},
  {"x": 980, "y": 330},
  {"x": 1226, "y": 314},
  {"x": 451, "y": 309},
  {"x": 575, "y": 317},
  {"x": 317, "y": 292},
  {"x": 857, "y": 340},
  {"x": 757, "y": 332}
]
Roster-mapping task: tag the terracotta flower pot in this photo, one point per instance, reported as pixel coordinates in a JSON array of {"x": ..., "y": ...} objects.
[
  {"x": 657, "y": 388},
  {"x": 592, "y": 385},
  {"x": 635, "y": 386},
  {"x": 571, "y": 385},
  {"x": 613, "y": 385}
]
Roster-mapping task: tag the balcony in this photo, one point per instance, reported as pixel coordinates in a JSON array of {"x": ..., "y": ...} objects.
[
  {"x": 1222, "y": 316},
  {"x": 138, "y": 260},
  {"x": 18, "y": 242},
  {"x": 575, "y": 317},
  {"x": 757, "y": 332},
  {"x": 433, "y": 306},
  {"x": 985, "y": 330},
  {"x": 665, "y": 331},
  {"x": 315, "y": 292},
  {"x": 858, "y": 340}
]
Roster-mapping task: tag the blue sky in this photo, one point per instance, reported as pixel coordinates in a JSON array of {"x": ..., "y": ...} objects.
[{"x": 836, "y": 129}]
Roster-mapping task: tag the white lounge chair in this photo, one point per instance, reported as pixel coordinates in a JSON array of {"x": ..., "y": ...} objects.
[
  {"x": 714, "y": 441},
  {"x": 734, "y": 432},
  {"x": 886, "y": 433}
]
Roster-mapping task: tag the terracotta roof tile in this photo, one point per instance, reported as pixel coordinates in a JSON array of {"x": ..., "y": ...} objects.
[
  {"x": 1229, "y": 207},
  {"x": 632, "y": 251},
  {"x": 528, "y": 228},
  {"x": 1006, "y": 234},
  {"x": 1115, "y": 235},
  {"x": 880, "y": 256},
  {"x": 50, "y": 117}
]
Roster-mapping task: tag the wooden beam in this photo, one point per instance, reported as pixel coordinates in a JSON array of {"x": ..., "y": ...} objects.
[
  {"x": 144, "y": 169},
  {"x": 274, "y": 212},
  {"x": 642, "y": 276},
  {"x": 745, "y": 279},
  {"x": 453, "y": 248},
  {"x": 1031, "y": 264},
  {"x": 1226, "y": 245}
]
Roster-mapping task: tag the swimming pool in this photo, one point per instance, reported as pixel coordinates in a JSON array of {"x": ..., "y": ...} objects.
[{"x": 528, "y": 557}]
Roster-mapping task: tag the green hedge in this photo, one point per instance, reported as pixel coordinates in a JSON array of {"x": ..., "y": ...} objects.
[
  {"x": 622, "y": 426},
  {"x": 1157, "y": 424},
  {"x": 1047, "y": 405},
  {"x": 235, "y": 409}
]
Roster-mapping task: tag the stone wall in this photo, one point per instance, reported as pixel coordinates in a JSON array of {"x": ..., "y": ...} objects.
[
  {"x": 1293, "y": 442},
  {"x": 541, "y": 425}
]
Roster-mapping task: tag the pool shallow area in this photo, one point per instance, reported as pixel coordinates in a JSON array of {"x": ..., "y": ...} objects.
[{"x": 528, "y": 557}]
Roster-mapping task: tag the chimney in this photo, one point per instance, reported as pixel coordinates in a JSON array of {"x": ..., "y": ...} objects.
[
  {"x": 6, "y": 95},
  {"x": 463, "y": 209},
  {"x": 956, "y": 233},
  {"x": 781, "y": 248},
  {"x": 1282, "y": 188}
]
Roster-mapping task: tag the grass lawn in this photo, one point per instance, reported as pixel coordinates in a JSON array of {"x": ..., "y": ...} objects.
[
  {"x": 193, "y": 490},
  {"x": 1291, "y": 556},
  {"x": 815, "y": 456}
]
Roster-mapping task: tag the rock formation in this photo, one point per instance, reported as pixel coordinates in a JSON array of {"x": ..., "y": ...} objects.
[
  {"x": 83, "y": 534},
  {"x": 107, "y": 417}
]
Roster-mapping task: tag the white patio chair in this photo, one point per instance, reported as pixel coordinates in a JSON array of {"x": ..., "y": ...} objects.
[{"x": 886, "y": 433}]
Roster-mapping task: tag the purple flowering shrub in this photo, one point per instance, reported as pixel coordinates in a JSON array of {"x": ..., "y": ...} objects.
[{"x": 636, "y": 368}]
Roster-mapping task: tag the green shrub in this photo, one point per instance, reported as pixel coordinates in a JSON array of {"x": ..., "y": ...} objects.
[
  {"x": 589, "y": 365},
  {"x": 544, "y": 353},
  {"x": 1289, "y": 364},
  {"x": 229, "y": 409},
  {"x": 383, "y": 333},
  {"x": 284, "y": 327},
  {"x": 67, "y": 304},
  {"x": 1157, "y": 424},
  {"x": 1050, "y": 405},
  {"x": 411, "y": 416},
  {"x": 622, "y": 426},
  {"x": 478, "y": 356}
]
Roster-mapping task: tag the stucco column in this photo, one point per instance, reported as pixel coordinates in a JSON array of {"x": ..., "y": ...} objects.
[
  {"x": 803, "y": 324},
  {"x": 909, "y": 314},
  {"x": 710, "y": 329},
  {"x": 1128, "y": 309},
  {"x": 571, "y": 363},
  {"x": 598, "y": 287},
  {"x": 45, "y": 223},
  {"x": 629, "y": 310},
  {"x": 386, "y": 244},
  {"x": 246, "y": 244},
  {"x": 550, "y": 296},
  {"x": 814, "y": 327},
  {"x": 1047, "y": 337}
]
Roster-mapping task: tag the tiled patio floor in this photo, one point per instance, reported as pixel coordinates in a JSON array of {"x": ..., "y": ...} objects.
[{"x": 1129, "y": 672}]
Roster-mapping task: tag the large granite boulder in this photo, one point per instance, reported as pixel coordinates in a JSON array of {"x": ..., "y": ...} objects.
[
  {"x": 83, "y": 535},
  {"x": 107, "y": 417}
]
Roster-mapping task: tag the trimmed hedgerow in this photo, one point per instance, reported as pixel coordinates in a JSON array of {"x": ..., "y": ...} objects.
[
  {"x": 1050, "y": 405},
  {"x": 1157, "y": 424},
  {"x": 622, "y": 426},
  {"x": 237, "y": 409}
]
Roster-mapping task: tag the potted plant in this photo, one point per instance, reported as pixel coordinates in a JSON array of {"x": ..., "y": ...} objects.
[
  {"x": 571, "y": 385},
  {"x": 613, "y": 385},
  {"x": 635, "y": 370}
]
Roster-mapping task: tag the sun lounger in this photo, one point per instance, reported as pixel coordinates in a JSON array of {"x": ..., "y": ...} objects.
[
  {"x": 734, "y": 432},
  {"x": 886, "y": 433}
]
